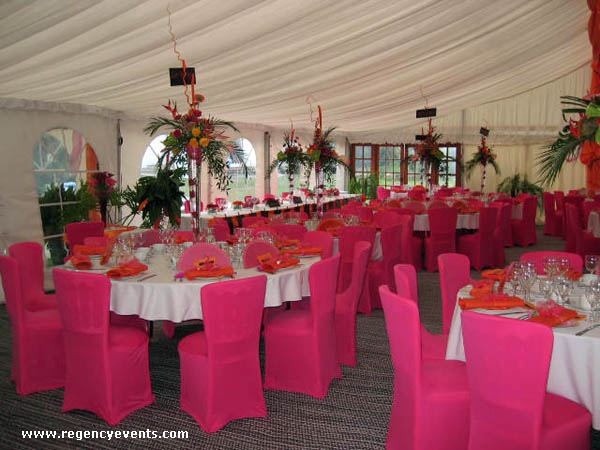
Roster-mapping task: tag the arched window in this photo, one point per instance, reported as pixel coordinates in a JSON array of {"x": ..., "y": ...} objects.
[
  {"x": 62, "y": 164},
  {"x": 240, "y": 185},
  {"x": 151, "y": 155}
]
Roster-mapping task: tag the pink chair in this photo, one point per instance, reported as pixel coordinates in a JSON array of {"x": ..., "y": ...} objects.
[
  {"x": 201, "y": 251},
  {"x": 107, "y": 367},
  {"x": 553, "y": 225},
  {"x": 254, "y": 250},
  {"x": 346, "y": 306},
  {"x": 479, "y": 247},
  {"x": 575, "y": 260},
  {"x": 382, "y": 272},
  {"x": 348, "y": 236},
  {"x": 38, "y": 356},
  {"x": 428, "y": 395},
  {"x": 559, "y": 196},
  {"x": 442, "y": 239},
  {"x": 437, "y": 204},
  {"x": 249, "y": 221},
  {"x": 78, "y": 231},
  {"x": 184, "y": 236},
  {"x": 382, "y": 193},
  {"x": 418, "y": 195},
  {"x": 510, "y": 408},
  {"x": 300, "y": 347},
  {"x": 454, "y": 275},
  {"x": 587, "y": 208},
  {"x": 221, "y": 232},
  {"x": 577, "y": 201},
  {"x": 95, "y": 241},
  {"x": 30, "y": 261},
  {"x": 365, "y": 214},
  {"x": 386, "y": 219},
  {"x": 220, "y": 368},
  {"x": 503, "y": 211},
  {"x": 523, "y": 230},
  {"x": 290, "y": 231},
  {"x": 151, "y": 237},
  {"x": 578, "y": 240},
  {"x": 433, "y": 345},
  {"x": 319, "y": 239},
  {"x": 412, "y": 246},
  {"x": 416, "y": 206}
]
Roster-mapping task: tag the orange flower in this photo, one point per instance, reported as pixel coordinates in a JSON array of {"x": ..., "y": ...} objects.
[
  {"x": 143, "y": 205},
  {"x": 193, "y": 143},
  {"x": 204, "y": 142},
  {"x": 196, "y": 132}
]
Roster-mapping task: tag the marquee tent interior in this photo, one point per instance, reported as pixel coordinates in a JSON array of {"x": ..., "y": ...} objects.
[{"x": 101, "y": 68}]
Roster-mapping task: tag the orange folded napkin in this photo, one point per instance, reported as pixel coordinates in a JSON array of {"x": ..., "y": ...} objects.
[
  {"x": 81, "y": 262},
  {"x": 203, "y": 264},
  {"x": 481, "y": 287},
  {"x": 491, "y": 301},
  {"x": 272, "y": 265},
  {"x": 214, "y": 272},
  {"x": 303, "y": 251},
  {"x": 179, "y": 239},
  {"x": 114, "y": 233},
  {"x": 552, "y": 314},
  {"x": 494, "y": 274},
  {"x": 129, "y": 269},
  {"x": 88, "y": 250},
  {"x": 283, "y": 243},
  {"x": 574, "y": 275}
]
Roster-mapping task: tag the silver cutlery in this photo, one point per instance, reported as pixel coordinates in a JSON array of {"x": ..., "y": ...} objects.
[
  {"x": 147, "y": 277},
  {"x": 587, "y": 329}
]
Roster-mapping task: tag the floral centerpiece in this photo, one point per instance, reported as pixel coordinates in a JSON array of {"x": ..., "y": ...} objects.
[
  {"x": 193, "y": 140},
  {"x": 482, "y": 157},
  {"x": 579, "y": 138},
  {"x": 428, "y": 153},
  {"x": 102, "y": 185},
  {"x": 212, "y": 208},
  {"x": 323, "y": 158},
  {"x": 237, "y": 204},
  {"x": 291, "y": 158}
]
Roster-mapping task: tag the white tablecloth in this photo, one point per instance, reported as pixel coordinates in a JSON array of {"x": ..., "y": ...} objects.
[
  {"x": 574, "y": 368},
  {"x": 517, "y": 211},
  {"x": 376, "y": 251},
  {"x": 398, "y": 195},
  {"x": 463, "y": 221},
  {"x": 161, "y": 298},
  {"x": 593, "y": 225}
]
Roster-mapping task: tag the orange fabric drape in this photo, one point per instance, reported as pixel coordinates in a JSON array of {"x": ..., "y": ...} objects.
[{"x": 590, "y": 150}]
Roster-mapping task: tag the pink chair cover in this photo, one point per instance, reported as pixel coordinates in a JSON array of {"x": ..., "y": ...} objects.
[
  {"x": 77, "y": 231},
  {"x": 201, "y": 251},
  {"x": 437, "y": 204},
  {"x": 502, "y": 222},
  {"x": 107, "y": 368},
  {"x": 510, "y": 408},
  {"x": 38, "y": 358},
  {"x": 575, "y": 260},
  {"x": 346, "y": 306},
  {"x": 428, "y": 396},
  {"x": 419, "y": 195},
  {"x": 185, "y": 235},
  {"x": 365, "y": 214},
  {"x": 321, "y": 239},
  {"x": 300, "y": 347},
  {"x": 479, "y": 247},
  {"x": 386, "y": 219},
  {"x": 220, "y": 368},
  {"x": 553, "y": 225},
  {"x": 412, "y": 246},
  {"x": 255, "y": 249},
  {"x": 433, "y": 346},
  {"x": 523, "y": 231},
  {"x": 251, "y": 220},
  {"x": 290, "y": 231},
  {"x": 95, "y": 241},
  {"x": 348, "y": 236},
  {"x": 382, "y": 193},
  {"x": 454, "y": 274},
  {"x": 221, "y": 231},
  {"x": 417, "y": 206},
  {"x": 442, "y": 239},
  {"x": 30, "y": 261},
  {"x": 382, "y": 272},
  {"x": 578, "y": 240},
  {"x": 151, "y": 237}
]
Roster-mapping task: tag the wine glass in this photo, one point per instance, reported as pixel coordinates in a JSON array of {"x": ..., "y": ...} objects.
[
  {"x": 592, "y": 294},
  {"x": 527, "y": 278},
  {"x": 591, "y": 262},
  {"x": 513, "y": 277},
  {"x": 563, "y": 287},
  {"x": 550, "y": 265},
  {"x": 546, "y": 286},
  {"x": 563, "y": 265}
]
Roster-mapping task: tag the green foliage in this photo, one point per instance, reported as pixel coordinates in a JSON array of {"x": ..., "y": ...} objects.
[
  {"x": 516, "y": 185},
  {"x": 160, "y": 196},
  {"x": 364, "y": 185}
]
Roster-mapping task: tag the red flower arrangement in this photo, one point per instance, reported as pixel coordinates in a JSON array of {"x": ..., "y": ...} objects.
[
  {"x": 428, "y": 151},
  {"x": 102, "y": 185}
]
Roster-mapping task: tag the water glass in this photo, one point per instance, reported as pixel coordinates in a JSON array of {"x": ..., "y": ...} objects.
[
  {"x": 527, "y": 279},
  {"x": 563, "y": 288},
  {"x": 550, "y": 266},
  {"x": 563, "y": 265},
  {"x": 592, "y": 294},
  {"x": 546, "y": 286},
  {"x": 513, "y": 277},
  {"x": 591, "y": 263}
]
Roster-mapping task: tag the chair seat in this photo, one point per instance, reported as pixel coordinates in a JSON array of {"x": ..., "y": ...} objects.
[
  {"x": 564, "y": 421},
  {"x": 43, "y": 320},
  {"x": 433, "y": 345},
  {"x": 41, "y": 301},
  {"x": 294, "y": 322},
  {"x": 444, "y": 380},
  {"x": 120, "y": 336},
  {"x": 194, "y": 344}
]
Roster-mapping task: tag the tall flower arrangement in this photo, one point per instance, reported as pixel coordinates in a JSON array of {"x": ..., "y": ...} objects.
[
  {"x": 323, "y": 158},
  {"x": 428, "y": 153},
  {"x": 291, "y": 158},
  {"x": 102, "y": 185},
  {"x": 482, "y": 157}
]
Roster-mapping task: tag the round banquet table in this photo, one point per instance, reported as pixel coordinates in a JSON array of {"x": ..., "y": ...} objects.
[
  {"x": 463, "y": 221},
  {"x": 575, "y": 360}
]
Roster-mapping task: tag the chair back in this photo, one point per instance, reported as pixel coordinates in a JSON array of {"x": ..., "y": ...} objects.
[
  {"x": 250, "y": 221},
  {"x": 442, "y": 223},
  {"x": 362, "y": 254},
  {"x": 418, "y": 194},
  {"x": 350, "y": 235},
  {"x": 83, "y": 302},
  {"x": 365, "y": 214},
  {"x": 407, "y": 221},
  {"x": 232, "y": 313},
  {"x": 455, "y": 273},
  {"x": 560, "y": 200},
  {"x": 11, "y": 283},
  {"x": 77, "y": 231},
  {"x": 390, "y": 204},
  {"x": 437, "y": 204},
  {"x": 508, "y": 389},
  {"x": 95, "y": 241},
  {"x": 151, "y": 237},
  {"x": 487, "y": 222},
  {"x": 221, "y": 231},
  {"x": 322, "y": 277},
  {"x": 327, "y": 224},
  {"x": 538, "y": 257},
  {"x": 184, "y": 236},
  {"x": 405, "y": 277},
  {"x": 200, "y": 251},
  {"x": 391, "y": 243},
  {"x": 416, "y": 206},
  {"x": 386, "y": 219},
  {"x": 382, "y": 193},
  {"x": 30, "y": 261},
  {"x": 549, "y": 205},
  {"x": 290, "y": 231},
  {"x": 255, "y": 249},
  {"x": 530, "y": 209},
  {"x": 319, "y": 239}
]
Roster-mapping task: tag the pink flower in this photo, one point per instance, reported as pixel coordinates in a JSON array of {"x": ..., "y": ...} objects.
[{"x": 177, "y": 134}]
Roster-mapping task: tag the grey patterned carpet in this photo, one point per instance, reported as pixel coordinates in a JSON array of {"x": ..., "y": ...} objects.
[{"x": 354, "y": 415}]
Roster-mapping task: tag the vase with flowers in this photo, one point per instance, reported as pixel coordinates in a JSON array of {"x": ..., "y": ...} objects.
[
  {"x": 428, "y": 153},
  {"x": 102, "y": 185},
  {"x": 323, "y": 158},
  {"x": 291, "y": 158},
  {"x": 481, "y": 158}
]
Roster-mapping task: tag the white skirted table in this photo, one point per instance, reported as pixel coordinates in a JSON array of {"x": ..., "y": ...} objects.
[
  {"x": 575, "y": 363},
  {"x": 463, "y": 222},
  {"x": 593, "y": 225}
]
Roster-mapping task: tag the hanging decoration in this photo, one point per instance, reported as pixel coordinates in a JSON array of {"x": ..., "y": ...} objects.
[
  {"x": 428, "y": 153},
  {"x": 291, "y": 158},
  {"x": 323, "y": 158},
  {"x": 482, "y": 158},
  {"x": 578, "y": 138}
]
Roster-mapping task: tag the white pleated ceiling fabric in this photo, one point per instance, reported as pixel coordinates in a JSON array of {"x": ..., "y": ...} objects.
[{"x": 366, "y": 62}]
